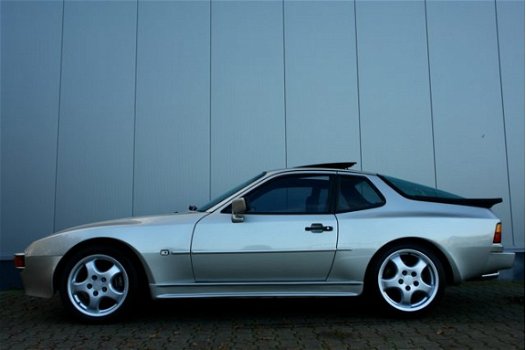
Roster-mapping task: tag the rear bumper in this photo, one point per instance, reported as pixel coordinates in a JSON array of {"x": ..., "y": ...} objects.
[{"x": 498, "y": 261}]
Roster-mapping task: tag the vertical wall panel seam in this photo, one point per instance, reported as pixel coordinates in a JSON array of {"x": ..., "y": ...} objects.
[
  {"x": 135, "y": 109},
  {"x": 284, "y": 81},
  {"x": 430, "y": 96},
  {"x": 358, "y": 85},
  {"x": 504, "y": 123},
  {"x": 210, "y": 105},
  {"x": 58, "y": 115}
]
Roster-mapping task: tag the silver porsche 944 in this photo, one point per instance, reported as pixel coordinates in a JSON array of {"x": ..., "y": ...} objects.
[{"x": 317, "y": 230}]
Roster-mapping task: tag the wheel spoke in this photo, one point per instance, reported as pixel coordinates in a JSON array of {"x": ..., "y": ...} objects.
[
  {"x": 390, "y": 283},
  {"x": 420, "y": 266},
  {"x": 399, "y": 263},
  {"x": 94, "y": 302},
  {"x": 406, "y": 297},
  {"x": 112, "y": 272},
  {"x": 425, "y": 288},
  {"x": 79, "y": 287},
  {"x": 114, "y": 294},
  {"x": 91, "y": 268}
]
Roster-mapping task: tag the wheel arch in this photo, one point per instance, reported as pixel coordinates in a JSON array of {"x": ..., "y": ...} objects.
[
  {"x": 129, "y": 251},
  {"x": 442, "y": 257}
]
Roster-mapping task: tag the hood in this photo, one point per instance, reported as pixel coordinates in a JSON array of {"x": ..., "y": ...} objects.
[
  {"x": 122, "y": 229},
  {"x": 151, "y": 220}
]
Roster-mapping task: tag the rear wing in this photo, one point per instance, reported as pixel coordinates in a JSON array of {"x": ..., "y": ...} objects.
[{"x": 472, "y": 202}]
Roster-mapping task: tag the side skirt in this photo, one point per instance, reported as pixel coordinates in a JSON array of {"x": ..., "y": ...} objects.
[{"x": 276, "y": 289}]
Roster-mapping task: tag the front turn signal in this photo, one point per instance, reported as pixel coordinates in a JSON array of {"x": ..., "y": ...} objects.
[{"x": 497, "y": 237}]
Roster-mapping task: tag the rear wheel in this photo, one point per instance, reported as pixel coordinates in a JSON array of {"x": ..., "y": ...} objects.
[
  {"x": 98, "y": 284},
  {"x": 408, "y": 279}
]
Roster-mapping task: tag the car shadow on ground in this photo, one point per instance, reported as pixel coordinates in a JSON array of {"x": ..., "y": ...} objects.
[{"x": 249, "y": 308}]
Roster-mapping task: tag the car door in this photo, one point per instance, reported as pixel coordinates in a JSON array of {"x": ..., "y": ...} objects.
[{"x": 289, "y": 233}]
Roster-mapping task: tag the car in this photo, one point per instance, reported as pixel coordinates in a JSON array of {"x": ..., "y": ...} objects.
[{"x": 315, "y": 230}]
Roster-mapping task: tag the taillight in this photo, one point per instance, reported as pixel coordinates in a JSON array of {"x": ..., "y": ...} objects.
[
  {"x": 20, "y": 260},
  {"x": 497, "y": 237}
]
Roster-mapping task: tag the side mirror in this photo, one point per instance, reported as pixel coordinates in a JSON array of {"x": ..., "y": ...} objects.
[{"x": 239, "y": 207}]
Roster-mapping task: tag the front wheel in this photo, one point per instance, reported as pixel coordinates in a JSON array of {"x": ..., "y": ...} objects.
[
  {"x": 98, "y": 284},
  {"x": 408, "y": 279}
]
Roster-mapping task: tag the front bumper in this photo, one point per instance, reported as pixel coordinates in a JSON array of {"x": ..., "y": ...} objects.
[{"x": 37, "y": 276}]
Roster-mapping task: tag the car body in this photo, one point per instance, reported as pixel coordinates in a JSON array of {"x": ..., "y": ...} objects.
[{"x": 318, "y": 230}]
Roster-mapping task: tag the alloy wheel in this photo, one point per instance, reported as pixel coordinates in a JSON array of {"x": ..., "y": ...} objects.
[
  {"x": 408, "y": 280},
  {"x": 97, "y": 285}
]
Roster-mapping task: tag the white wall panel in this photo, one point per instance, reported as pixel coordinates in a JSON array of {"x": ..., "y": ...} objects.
[
  {"x": 469, "y": 132},
  {"x": 397, "y": 134},
  {"x": 247, "y": 121},
  {"x": 511, "y": 38},
  {"x": 321, "y": 86},
  {"x": 173, "y": 107},
  {"x": 95, "y": 163},
  {"x": 226, "y": 89},
  {"x": 30, "y": 36}
]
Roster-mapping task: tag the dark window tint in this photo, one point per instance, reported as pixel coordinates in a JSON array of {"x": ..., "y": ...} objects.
[
  {"x": 229, "y": 193},
  {"x": 357, "y": 193},
  {"x": 413, "y": 190},
  {"x": 290, "y": 195}
]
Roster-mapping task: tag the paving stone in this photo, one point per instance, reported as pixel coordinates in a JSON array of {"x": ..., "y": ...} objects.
[{"x": 474, "y": 315}]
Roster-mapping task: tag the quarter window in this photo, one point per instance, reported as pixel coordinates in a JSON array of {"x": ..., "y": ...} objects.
[
  {"x": 292, "y": 194},
  {"x": 357, "y": 193}
]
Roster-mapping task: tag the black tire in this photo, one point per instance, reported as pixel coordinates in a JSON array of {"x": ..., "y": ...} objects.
[
  {"x": 98, "y": 284},
  {"x": 406, "y": 279}
]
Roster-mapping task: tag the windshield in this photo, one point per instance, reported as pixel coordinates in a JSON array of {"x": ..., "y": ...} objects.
[
  {"x": 412, "y": 190},
  {"x": 229, "y": 193}
]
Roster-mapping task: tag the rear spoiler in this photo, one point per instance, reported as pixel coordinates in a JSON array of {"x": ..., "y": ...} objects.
[{"x": 472, "y": 202}]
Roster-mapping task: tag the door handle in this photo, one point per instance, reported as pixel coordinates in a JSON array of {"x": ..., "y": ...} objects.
[{"x": 318, "y": 228}]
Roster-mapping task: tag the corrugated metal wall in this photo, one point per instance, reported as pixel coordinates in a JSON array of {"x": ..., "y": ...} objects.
[{"x": 119, "y": 108}]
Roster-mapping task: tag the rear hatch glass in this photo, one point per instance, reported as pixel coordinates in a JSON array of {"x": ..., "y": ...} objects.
[{"x": 419, "y": 192}]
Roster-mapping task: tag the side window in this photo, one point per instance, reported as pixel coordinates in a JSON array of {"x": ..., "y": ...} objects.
[
  {"x": 357, "y": 193},
  {"x": 291, "y": 194}
]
